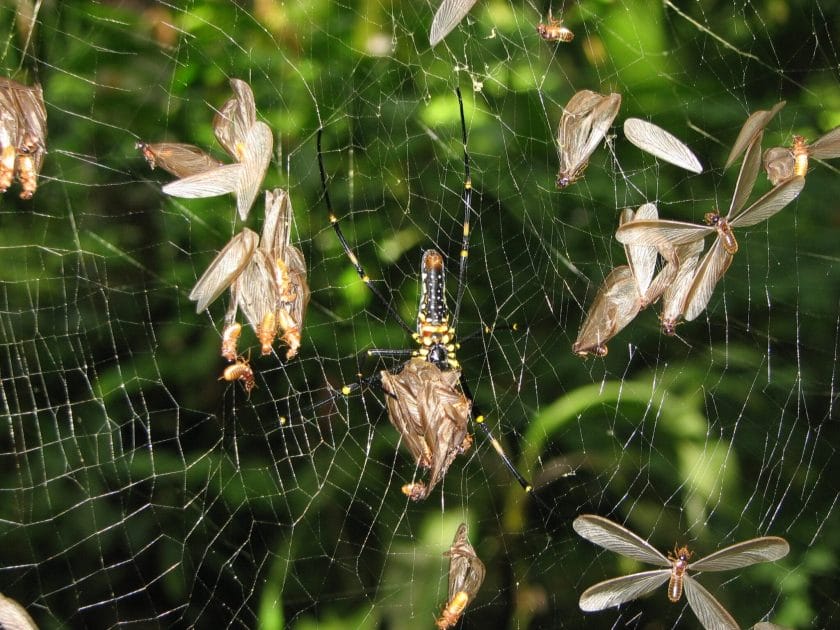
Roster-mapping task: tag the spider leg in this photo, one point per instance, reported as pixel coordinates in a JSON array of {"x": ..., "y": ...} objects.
[{"x": 466, "y": 198}]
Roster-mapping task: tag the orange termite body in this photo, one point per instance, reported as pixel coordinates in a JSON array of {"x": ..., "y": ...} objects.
[
  {"x": 800, "y": 156},
  {"x": 230, "y": 336},
  {"x": 453, "y": 610},
  {"x": 724, "y": 231},
  {"x": 680, "y": 559},
  {"x": 266, "y": 332},
  {"x": 240, "y": 371}
]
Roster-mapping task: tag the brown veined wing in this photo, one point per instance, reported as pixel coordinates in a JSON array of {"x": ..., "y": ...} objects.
[
  {"x": 177, "y": 158},
  {"x": 664, "y": 145},
  {"x": 752, "y": 128},
  {"x": 226, "y": 267},
  {"x": 466, "y": 574},
  {"x": 585, "y": 121},
  {"x": 448, "y": 16}
]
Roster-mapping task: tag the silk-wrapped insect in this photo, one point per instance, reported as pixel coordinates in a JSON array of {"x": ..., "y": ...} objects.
[
  {"x": 711, "y": 614},
  {"x": 447, "y": 17},
  {"x": 267, "y": 280},
  {"x": 182, "y": 160},
  {"x": 466, "y": 574},
  {"x": 666, "y": 235},
  {"x": 585, "y": 121},
  {"x": 426, "y": 395},
  {"x": 656, "y": 141},
  {"x": 781, "y": 163},
  {"x": 23, "y": 122},
  {"x": 247, "y": 140},
  {"x": 554, "y": 31}
]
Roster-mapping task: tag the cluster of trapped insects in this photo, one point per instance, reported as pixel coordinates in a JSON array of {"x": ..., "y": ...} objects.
[{"x": 427, "y": 396}]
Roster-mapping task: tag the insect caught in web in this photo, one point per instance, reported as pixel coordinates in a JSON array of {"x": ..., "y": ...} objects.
[
  {"x": 427, "y": 397},
  {"x": 554, "y": 30}
]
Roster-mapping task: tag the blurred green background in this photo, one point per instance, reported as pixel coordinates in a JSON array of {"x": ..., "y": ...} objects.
[{"x": 137, "y": 488}]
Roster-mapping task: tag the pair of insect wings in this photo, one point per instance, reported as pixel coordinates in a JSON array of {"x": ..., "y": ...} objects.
[
  {"x": 248, "y": 140},
  {"x": 682, "y": 243},
  {"x": 23, "y": 135},
  {"x": 616, "y": 591},
  {"x": 266, "y": 276}
]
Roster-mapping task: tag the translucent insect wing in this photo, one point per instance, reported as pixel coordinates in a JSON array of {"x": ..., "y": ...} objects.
[
  {"x": 622, "y": 589},
  {"x": 674, "y": 296},
  {"x": 448, "y": 16},
  {"x": 615, "y": 305},
  {"x": 709, "y": 611},
  {"x": 13, "y": 616},
  {"x": 228, "y": 265},
  {"x": 256, "y": 289},
  {"x": 276, "y": 230},
  {"x": 641, "y": 258},
  {"x": 743, "y": 554},
  {"x": 235, "y": 118},
  {"x": 754, "y": 125},
  {"x": 746, "y": 176},
  {"x": 257, "y": 154},
  {"x": 661, "y": 233},
  {"x": 585, "y": 121},
  {"x": 706, "y": 277},
  {"x": 466, "y": 570},
  {"x": 30, "y": 102},
  {"x": 656, "y": 141},
  {"x": 770, "y": 203},
  {"x": 827, "y": 147},
  {"x": 179, "y": 159},
  {"x": 212, "y": 183},
  {"x": 617, "y": 538}
]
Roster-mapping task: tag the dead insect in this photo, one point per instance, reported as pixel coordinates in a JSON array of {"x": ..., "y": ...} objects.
[
  {"x": 427, "y": 397},
  {"x": 27, "y": 133},
  {"x": 182, "y": 160},
  {"x": 466, "y": 574},
  {"x": 447, "y": 17},
  {"x": 585, "y": 121},
  {"x": 554, "y": 31},
  {"x": 752, "y": 128},
  {"x": 614, "y": 592},
  {"x": 267, "y": 280},
  {"x": 230, "y": 338},
  {"x": 666, "y": 235},
  {"x": 247, "y": 140},
  {"x": 674, "y": 297},
  {"x": 240, "y": 371},
  {"x": 615, "y": 305},
  {"x": 656, "y": 141},
  {"x": 781, "y": 163}
]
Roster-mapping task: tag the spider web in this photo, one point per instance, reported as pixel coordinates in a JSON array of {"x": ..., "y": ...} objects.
[{"x": 139, "y": 489}]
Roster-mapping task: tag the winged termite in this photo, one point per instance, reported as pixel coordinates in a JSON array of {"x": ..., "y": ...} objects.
[
  {"x": 9, "y": 123},
  {"x": 668, "y": 234},
  {"x": 616, "y": 591},
  {"x": 656, "y": 141},
  {"x": 13, "y": 616},
  {"x": 615, "y": 305},
  {"x": 448, "y": 16},
  {"x": 182, "y": 160},
  {"x": 230, "y": 338},
  {"x": 466, "y": 574},
  {"x": 781, "y": 163},
  {"x": 752, "y": 128},
  {"x": 243, "y": 179},
  {"x": 225, "y": 268},
  {"x": 240, "y": 371},
  {"x": 554, "y": 31},
  {"x": 585, "y": 121},
  {"x": 232, "y": 122}
]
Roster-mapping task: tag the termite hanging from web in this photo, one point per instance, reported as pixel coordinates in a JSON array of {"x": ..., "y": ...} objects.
[
  {"x": 782, "y": 163},
  {"x": 240, "y": 371},
  {"x": 585, "y": 121},
  {"x": 554, "y": 31},
  {"x": 23, "y": 135},
  {"x": 466, "y": 574},
  {"x": 709, "y": 611}
]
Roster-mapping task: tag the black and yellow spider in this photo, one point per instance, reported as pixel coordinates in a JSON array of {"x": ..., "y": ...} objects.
[{"x": 427, "y": 397}]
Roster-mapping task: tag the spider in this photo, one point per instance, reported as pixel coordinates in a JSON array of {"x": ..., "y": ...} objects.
[{"x": 427, "y": 397}]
